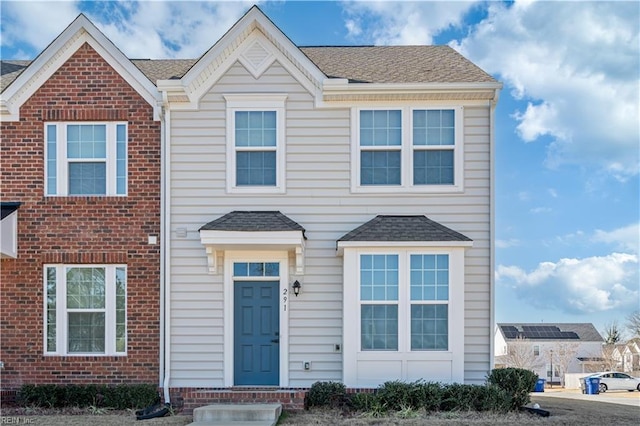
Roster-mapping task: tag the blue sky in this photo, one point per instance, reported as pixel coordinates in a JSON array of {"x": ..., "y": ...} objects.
[{"x": 567, "y": 123}]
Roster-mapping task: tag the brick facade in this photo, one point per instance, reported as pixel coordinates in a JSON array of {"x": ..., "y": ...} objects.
[{"x": 71, "y": 230}]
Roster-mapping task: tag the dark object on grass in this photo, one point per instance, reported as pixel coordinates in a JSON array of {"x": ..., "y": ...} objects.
[
  {"x": 153, "y": 411},
  {"x": 538, "y": 411}
]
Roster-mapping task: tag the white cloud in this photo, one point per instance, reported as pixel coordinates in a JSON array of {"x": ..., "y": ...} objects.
[
  {"x": 406, "y": 22},
  {"x": 626, "y": 238},
  {"x": 141, "y": 29},
  {"x": 539, "y": 210},
  {"x": 592, "y": 284},
  {"x": 35, "y": 23},
  {"x": 512, "y": 242},
  {"x": 577, "y": 64}
]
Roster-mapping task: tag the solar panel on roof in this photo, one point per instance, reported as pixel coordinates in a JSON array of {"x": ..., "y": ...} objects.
[{"x": 542, "y": 332}]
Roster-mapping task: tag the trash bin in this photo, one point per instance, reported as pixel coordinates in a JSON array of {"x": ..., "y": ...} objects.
[
  {"x": 539, "y": 385},
  {"x": 593, "y": 385}
]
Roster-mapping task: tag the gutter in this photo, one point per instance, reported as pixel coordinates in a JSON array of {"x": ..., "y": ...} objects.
[
  {"x": 165, "y": 288},
  {"x": 492, "y": 226}
]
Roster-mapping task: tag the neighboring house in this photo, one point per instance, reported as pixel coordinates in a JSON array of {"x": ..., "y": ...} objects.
[
  {"x": 631, "y": 355},
  {"x": 579, "y": 343},
  {"x": 80, "y": 190},
  {"x": 327, "y": 215}
]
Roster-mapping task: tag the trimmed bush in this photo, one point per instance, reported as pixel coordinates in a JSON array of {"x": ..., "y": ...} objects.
[
  {"x": 327, "y": 394},
  {"x": 363, "y": 401},
  {"x": 119, "y": 397},
  {"x": 459, "y": 397},
  {"x": 397, "y": 395},
  {"x": 517, "y": 382}
]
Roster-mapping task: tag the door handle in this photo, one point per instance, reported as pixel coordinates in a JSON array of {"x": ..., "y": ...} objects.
[{"x": 275, "y": 340}]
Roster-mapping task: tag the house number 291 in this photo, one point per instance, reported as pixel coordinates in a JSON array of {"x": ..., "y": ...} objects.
[{"x": 284, "y": 299}]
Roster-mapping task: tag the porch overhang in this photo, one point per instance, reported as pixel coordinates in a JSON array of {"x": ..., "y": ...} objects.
[
  {"x": 253, "y": 230},
  {"x": 9, "y": 230},
  {"x": 217, "y": 242}
]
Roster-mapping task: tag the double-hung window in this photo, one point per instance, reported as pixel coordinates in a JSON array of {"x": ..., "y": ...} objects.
[
  {"x": 85, "y": 309},
  {"x": 408, "y": 149},
  {"x": 404, "y": 302},
  {"x": 84, "y": 159},
  {"x": 255, "y": 143}
]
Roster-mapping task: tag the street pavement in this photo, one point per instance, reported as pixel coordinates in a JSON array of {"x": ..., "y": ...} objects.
[{"x": 613, "y": 397}]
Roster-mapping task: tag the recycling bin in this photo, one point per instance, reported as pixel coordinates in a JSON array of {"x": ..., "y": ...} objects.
[
  {"x": 539, "y": 385},
  {"x": 593, "y": 385}
]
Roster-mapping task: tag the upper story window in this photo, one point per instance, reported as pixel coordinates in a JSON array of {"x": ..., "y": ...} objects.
[
  {"x": 85, "y": 309},
  {"x": 86, "y": 159},
  {"x": 412, "y": 149},
  {"x": 255, "y": 143}
]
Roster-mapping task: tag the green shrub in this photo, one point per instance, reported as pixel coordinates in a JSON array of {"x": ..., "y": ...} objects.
[
  {"x": 460, "y": 397},
  {"x": 363, "y": 401},
  {"x": 517, "y": 382},
  {"x": 119, "y": 397},
  {"x": 432, "y": 394},
  {"x": 327, "y": 394}
]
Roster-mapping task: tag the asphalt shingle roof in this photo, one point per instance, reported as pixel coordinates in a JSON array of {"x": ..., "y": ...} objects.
[
  {"x": 253, "y": 221},
  {"x": 403, "y": 228},
  {"x": 396, "y": 64},
  {"x": 358, "y": 64},
  {"x": 585, "y": 331}
]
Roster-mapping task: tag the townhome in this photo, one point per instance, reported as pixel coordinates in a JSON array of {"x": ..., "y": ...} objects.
[
  {"x": 329, "y": 216},
  {"x": 289, "y": 215},
  {"x": 80, "y": 191}
]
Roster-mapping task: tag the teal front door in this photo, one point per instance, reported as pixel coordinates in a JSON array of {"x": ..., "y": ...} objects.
[{"x": 256, "y": 338}]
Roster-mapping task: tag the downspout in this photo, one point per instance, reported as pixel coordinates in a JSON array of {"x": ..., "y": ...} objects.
[
  {"x": 492, "y": 232},
  {"x": 162, "y": 235},
  {"x": 166, "y": 156}
]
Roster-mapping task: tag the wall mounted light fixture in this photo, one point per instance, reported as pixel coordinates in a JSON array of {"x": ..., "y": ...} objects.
[{"x": 296, "y": 287}]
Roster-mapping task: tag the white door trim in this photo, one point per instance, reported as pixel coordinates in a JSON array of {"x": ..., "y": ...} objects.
[{"x": 256, "y": 256}]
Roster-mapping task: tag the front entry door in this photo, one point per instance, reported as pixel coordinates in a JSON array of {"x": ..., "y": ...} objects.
[{"x": 256, "y": 338}]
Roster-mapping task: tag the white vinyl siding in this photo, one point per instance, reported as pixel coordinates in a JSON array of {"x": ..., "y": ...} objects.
[{"x": 318, "y": 197}]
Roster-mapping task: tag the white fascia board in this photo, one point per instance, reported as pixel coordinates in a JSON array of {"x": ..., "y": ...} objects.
[
  {"x": 252, "y": 240},
  {"x": 332, "y": 87},
  {"x": 404, "y": 244},
  {"x": 80, "y": 31}
]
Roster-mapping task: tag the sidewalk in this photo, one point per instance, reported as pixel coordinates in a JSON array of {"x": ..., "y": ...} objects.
[{"x": 612, "y": 397}]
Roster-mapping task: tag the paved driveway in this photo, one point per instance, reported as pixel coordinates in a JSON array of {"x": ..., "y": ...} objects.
[{"x": 613, "y": 397}]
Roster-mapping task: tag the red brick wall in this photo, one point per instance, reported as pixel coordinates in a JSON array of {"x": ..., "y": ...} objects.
[{"x": 80, "y": 229}]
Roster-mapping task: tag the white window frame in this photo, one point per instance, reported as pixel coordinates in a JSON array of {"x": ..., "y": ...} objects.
[
  {"x": 407, "y": 149},
  {"x": 62, "y": 342},
  {"x": 256, "y": 102},
  {"x": 401, "y": 364},
  {"x": 62, "y": 162}
]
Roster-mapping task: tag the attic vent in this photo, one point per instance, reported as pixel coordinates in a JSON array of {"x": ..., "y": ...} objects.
[{"x": 256, "y": 58}]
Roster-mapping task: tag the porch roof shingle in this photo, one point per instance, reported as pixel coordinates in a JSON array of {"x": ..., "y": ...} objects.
[
  {"x": 253, "y": 221},
  {"x": 403, "y": 228}
]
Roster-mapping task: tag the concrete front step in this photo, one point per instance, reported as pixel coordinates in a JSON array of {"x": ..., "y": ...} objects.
[{"x": 237, "y": 414}]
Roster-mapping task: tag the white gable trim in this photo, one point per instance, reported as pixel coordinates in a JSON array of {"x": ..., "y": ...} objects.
[
  {"x": 58, "y": 52},
  {"x": 256, "y": 43},
  {"x": 217, "y": 242}
]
